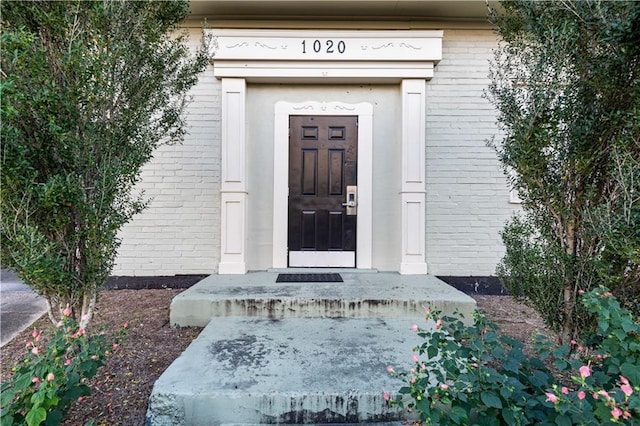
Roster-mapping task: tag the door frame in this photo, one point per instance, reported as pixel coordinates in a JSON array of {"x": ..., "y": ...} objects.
[{"x": 364, "y": 226}]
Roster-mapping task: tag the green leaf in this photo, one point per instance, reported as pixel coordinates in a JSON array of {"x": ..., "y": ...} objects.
[
  {"x": 508, "y": 417},
  {"x": 405, "y": 390},
  {"x": 54, "y": 417},
  {"x": 491, "y": 399},
  {"x": 563, "y": 420},
  {"x": 539, "y": 378},
  {"x": 631, "y": 372},
  {"x": 561, "y": 364},
  {"x": 432, "y": 352},
  {"x": 6, "y": 396},
  {"x": 459, "y": 415},
  {"x": 35, "y": 416},
  {"x": 37, "y": 399},
  {"x": 22, "y": 382}
]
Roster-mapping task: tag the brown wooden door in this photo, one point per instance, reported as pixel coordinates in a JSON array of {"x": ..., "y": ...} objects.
[{"x": 322, "y": 162}]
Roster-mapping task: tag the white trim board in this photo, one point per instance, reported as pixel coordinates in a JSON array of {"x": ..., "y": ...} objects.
[
  {"x": 322, "y": 259},
  {"x": 364, "y": 231}
]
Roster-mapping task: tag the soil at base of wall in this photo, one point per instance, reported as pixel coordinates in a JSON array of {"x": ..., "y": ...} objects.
[{"x": 121, "y": 389}]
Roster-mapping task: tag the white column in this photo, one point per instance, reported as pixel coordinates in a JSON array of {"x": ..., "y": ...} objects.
[
  {"x": 413, "y": 260},
  {"x": 234, "y": 178}
]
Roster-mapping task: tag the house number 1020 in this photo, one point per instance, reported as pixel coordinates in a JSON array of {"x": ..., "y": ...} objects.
[{"x": 329, "y": 46}]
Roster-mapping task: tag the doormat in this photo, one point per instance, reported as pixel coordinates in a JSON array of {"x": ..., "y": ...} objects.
[{"x": 309, "y": 278}]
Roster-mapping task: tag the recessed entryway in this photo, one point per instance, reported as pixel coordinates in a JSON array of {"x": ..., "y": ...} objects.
[
  {"x": 323, "y": 198},
  {"x": 325, "y": 135}
]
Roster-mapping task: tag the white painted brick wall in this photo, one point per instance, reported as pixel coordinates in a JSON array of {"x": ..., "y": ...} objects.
[
  {"x": 179, "y": 233},
  {"x": 467, "y": 195}
]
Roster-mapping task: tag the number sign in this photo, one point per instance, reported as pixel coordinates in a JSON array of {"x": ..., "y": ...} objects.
[{"x": 326, "y": 46}]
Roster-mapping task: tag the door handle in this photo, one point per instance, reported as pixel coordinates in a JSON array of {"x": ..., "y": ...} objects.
[{"x": 352, "y": 200}]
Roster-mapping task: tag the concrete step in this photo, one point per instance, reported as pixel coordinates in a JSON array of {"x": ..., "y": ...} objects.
[
  {"x": 286, "y": 371},
  {"x": 361, "y": 295}
]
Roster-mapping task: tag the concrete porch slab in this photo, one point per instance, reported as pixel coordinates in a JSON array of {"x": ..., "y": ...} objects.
[
  {"x": 362, "y": 294},
  {"x": 285, "y": 371}
]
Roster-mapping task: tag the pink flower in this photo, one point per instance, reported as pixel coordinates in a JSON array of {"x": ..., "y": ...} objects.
[
  {"x": 59, "y": 324},
  {"x": 416, "y": 359},
  {"x": 423, "y": 367},
  {"x": 67, "y": 361},
  {"x": 616, "y": 412},
  {"x": 604, "y": 393},
  {"x": 551, "y": 397},
  {"x": 626, "y": 415},
  {"x": 414, "y": 328},
  {"x": 427, "y": 311},
  {"x": 624, "y": 380},
  {"x": 386, "y": 396},
  {"x": 581, "y": 395},
  {"x": 594, "y": 395},
  {"x": 94, "y": 357},
  {"x": 115, "y": 346},
  {"x": 585, "y": 371},
  {"x": 573, "y": 343},
  {"x": 126, "y": 325},
  {"x": 80, "y": 398},
  {"x": 475, "y": 364},
  {"x": 390, "y": 370},
  {"x": 29, "y": 344},
  {"x": 35, "y": 350},
  {"x": 67, "y": 311},
  {"x": 580, "y": 291},
  {"x": 439, "y": 323},
  {"x": 413, "y": 380},
  {"x": 580, "y": 349},
  {"x": 35, "y": 333},
  {"x": 565, "y": 390},
  {"x": 444, "y": 386},
  {"x": 35, "y": 380},
  {"x": 626, "y": 389},
  {"x": 50, "y": 377},
  {"x": 413, "y": 371}
]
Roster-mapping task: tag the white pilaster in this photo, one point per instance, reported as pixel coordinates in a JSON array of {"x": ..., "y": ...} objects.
[
  {"x": 413, "y": 260},
  {"x": 234, "y": 178}
]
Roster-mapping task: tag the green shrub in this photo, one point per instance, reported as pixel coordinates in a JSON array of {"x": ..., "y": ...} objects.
[
  {"x": 53, "y": 375},
  {"x": 467, "y": 375}
]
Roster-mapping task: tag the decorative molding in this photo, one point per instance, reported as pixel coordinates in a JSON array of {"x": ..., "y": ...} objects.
[
  {"x": 266, "y": 46},
  {"x": 326, "y": 45},
  {"x": 364, "y": 111},
  {"x": 286, "y": 71},
  {"x": 315, "y": 107}
]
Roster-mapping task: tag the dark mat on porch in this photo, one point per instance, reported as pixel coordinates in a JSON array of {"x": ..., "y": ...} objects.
[{"x": 309, "y": 278}]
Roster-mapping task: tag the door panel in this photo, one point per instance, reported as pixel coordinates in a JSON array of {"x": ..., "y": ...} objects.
[{"x": 322, "y": 162}]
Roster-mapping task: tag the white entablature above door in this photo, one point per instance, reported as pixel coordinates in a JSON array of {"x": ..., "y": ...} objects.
[{"x": 325, "y": 55}]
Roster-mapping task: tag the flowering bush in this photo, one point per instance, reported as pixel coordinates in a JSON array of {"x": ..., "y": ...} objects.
[
  {"x": 473, "y": 375},
  {"x": 606, "y": 388},
  {"x": 53, "y": 374}
]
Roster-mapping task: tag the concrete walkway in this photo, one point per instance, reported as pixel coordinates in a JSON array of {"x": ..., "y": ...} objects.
[
  {"x": 20, "y": 306},
  {"x": 296, "y": 353},
  {"x": 362, "y": 294}
]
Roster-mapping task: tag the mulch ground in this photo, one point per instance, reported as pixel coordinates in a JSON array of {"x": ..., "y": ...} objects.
[{"x": 121, "y": 389}]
